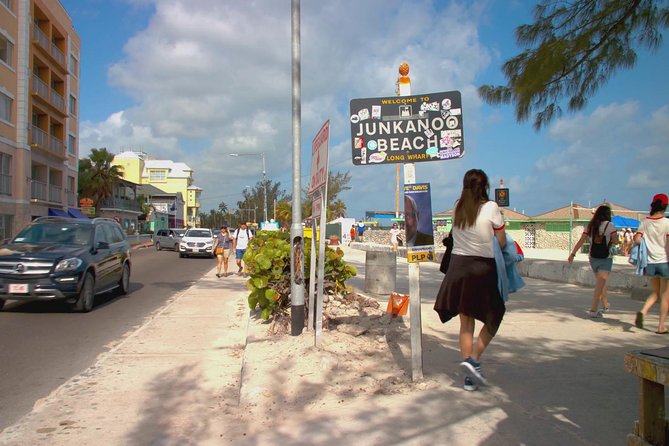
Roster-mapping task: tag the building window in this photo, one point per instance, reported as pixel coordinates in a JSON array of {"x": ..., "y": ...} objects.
[
  {"x": 5, "y": 107},
  {"x": 73, "y": 105},
  {"x": 6, "y": 50},
  {"x": 7, "y": 3},
  {"x": 71, "y": 145},
  {"x": 74, "y": 65},
  {"x": 557, "y": 227},
  {"x": 5, "y": 177},
  {"x": 157, "y": 175}
]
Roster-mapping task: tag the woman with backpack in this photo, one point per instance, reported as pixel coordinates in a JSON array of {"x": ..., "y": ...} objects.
[{"x": 602, "y": 234}]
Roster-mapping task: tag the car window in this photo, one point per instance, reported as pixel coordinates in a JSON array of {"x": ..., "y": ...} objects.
[
  {"x": 114, "y": 233},
  {"x": 61, "y": 232},
  {"x": 198, "y": 233},
  {"x": 118, "y": 232},
  {"x": 100, "y": 234},
  {"x": 180, "y": 232}
]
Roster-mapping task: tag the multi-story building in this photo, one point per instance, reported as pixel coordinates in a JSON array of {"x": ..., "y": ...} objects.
[
  {"x": 39, "y": 91},
  {"x": 168, "y": 176}
]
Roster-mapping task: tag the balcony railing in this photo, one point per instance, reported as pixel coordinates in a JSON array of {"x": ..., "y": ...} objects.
[
  {"x": 40, "y": 87},
  {"x": 57, "y": 100},
  {"x": 40, "y": 138},
  {"x": 49, "y": 46},
  {"x": 57, "y": 54},
  {"x": 5, "y": 184},
  {"x": 38, "y": 190},
  {"x": 71, "y": 198},
  {"x": 121, "y": 203},
  {"x": 41, "y": 38},
  {"x": 55, "y": 193}
]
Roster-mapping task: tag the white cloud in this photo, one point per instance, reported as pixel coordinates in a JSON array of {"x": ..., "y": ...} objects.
[{"x": 210, "y": 78}]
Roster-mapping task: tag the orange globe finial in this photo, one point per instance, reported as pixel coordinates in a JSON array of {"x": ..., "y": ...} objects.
[{"x": 404, "y": 68}]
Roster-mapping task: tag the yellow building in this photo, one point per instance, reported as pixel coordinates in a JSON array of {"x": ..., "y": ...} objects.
[
  {"x": 39, "y": 96},
  {"x": 168, "y": 176}
]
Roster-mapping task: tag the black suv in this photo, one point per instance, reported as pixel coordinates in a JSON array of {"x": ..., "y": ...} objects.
[{"x": 64, "y": 258}]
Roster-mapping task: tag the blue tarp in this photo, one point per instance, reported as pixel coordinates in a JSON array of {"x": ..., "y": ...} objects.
[
  {"x": 622, "y": 222},
  {"x": 76, "y": 213},
  {"x": 54, "y": 212}
]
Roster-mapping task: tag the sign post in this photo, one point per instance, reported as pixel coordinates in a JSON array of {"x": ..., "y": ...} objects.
[
  {"x": 318, "y": 187},
  {"x": 408, "y": 129}
]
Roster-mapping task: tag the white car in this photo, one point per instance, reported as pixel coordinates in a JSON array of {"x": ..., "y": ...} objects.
[{"x": 197, "y": 242}]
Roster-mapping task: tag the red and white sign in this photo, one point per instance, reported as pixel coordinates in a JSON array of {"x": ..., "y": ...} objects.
[
  {"x": 320, "y": 148},
  {"x": 316, "y": 206}
]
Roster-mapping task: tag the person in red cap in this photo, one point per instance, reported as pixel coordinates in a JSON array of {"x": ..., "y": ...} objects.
[{"x": 654, "y": 230}]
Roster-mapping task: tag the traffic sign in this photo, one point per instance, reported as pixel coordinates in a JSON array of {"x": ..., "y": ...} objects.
[
  {"x": 319, "y": 159},
  {"x": 407, "y": 129}
]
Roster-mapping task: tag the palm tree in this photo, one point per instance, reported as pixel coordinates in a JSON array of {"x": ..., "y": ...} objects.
[{"x": 97, "y": 176}]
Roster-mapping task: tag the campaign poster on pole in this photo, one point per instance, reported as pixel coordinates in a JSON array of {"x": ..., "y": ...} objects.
[{"x": 418, "y": 222}]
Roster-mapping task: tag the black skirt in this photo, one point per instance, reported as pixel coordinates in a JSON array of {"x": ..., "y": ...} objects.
[{"x": 470, "y": 288}]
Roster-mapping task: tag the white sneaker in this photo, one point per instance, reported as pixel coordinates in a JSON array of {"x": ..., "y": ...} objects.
[{"x": 594, "y": 314}]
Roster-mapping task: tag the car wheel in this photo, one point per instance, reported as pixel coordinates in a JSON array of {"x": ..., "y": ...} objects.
[
  {"x": 181, "y": 255},
  {"x": 124, "y": 282},
  {"x": 86, "y": 295},
  {"x": 176, "y": 247},
  {"x": 158, "y": 248},
  {"x": 2, "y": 303}
]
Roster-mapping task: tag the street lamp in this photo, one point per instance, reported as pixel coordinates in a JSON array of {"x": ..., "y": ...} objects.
[{"x": 264, "y": 175}]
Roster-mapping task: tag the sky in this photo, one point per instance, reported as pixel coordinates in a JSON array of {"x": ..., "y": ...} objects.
[{"x": 194, "y": 80}]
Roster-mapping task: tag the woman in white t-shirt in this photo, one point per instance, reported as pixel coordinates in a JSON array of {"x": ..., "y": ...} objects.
[
  {"x": 654, "y": 230},
  {"x": 469, "y": 289},
  {"x": 602, "y": 234},
  {"x": 394, "y": 232}
]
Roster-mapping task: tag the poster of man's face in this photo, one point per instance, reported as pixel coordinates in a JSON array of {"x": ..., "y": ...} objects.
[{"x": 418, "y": 215}]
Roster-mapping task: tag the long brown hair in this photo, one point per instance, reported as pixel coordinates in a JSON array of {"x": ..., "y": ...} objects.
[
  {"x": 603, "y": 213},
  {"x": 475, "y": 190}
]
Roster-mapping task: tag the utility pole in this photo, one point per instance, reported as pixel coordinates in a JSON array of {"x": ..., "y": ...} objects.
[{"x": 296, "y": 231}]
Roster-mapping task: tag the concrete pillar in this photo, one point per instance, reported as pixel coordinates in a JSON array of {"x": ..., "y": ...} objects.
[{"x": 380, "y": 272}]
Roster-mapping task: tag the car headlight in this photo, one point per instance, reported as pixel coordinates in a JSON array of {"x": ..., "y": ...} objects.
[{"x": 68, "y": 264}]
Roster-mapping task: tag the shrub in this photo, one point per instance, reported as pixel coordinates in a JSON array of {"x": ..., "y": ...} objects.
[{"x": 268, "y": 262}]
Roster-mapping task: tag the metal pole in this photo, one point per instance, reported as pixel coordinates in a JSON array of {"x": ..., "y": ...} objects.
[
  {"x": 264, "y": 182},
  {"x": 296, "y": 231}
]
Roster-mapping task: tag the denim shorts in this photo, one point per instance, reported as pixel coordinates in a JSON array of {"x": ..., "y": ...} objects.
[
  {"x": 239, "y": 253},
  {"x": 658, "y": 270},
  {"x": 598, "y": 265}
]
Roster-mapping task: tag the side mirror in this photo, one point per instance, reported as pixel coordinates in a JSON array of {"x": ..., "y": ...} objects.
[{"x": 103, "y": 245}]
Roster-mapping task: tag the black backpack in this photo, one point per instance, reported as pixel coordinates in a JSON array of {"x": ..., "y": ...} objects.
[{"x": 599, "y": 249}]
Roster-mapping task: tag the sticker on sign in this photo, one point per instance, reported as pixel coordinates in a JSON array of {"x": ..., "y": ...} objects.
[{"x": 319, "y": 159}]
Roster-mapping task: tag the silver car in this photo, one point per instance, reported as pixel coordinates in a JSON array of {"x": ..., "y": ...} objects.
[{"x": 168, "y": 239}]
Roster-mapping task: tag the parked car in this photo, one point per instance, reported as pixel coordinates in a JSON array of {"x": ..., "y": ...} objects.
[
  {"x": 168, "y": 238},
  {"x": 197, "y": 242},
  {"x": 64, "y": 258}
]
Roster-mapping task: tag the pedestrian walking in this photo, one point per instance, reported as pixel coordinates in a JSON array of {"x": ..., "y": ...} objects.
[
  {"x": 394, "y": 233},
  {"x": 361, "y": 231},
  {"x": 469, "y": 289},
  {"x": 222, "y": 247},
  {"x": 602, "y": 234},
  {"x": 654, "y": 230},
  {"x": 352, "y": 232},
  {"x": 241, "y": 238}
]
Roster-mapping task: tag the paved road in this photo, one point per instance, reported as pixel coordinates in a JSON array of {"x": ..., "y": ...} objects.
[{"x": 45, "y": 344}]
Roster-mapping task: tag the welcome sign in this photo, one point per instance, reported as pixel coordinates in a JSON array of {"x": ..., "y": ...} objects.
[{"x": 407, "y": 129}]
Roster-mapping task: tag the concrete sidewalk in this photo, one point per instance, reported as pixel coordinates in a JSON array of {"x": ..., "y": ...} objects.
[{"x": 184, "y": 377}]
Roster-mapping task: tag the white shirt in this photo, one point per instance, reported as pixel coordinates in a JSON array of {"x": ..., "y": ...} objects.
[
  {"x": 476, "y": 240},
  {"x": 394, "y": 232},
  {"x": 242, "y": 236},
  {"x": 655, "y": 231}
]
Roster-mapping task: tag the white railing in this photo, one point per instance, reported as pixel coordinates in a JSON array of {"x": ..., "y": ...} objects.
[
  {"x": 40, "y": 87},
  {"x": 42, "y": 38},
  {"x": 39, "y": 137},
  {"x": 38, "y": 190},
  {"x": 55, "y": 193}
]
